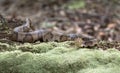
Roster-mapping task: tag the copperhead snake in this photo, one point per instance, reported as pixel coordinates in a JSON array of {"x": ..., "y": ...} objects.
[{"x": 27, "y": 33}]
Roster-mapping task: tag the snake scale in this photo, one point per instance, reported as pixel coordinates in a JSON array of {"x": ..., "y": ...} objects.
[{"x": 27, "y": 33}]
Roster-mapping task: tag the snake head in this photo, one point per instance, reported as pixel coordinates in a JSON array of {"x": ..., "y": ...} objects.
[{"x": 29, "y": 24}]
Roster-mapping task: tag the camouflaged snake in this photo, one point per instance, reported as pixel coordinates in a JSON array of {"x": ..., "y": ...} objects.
[{"x": 27, "y": 33}]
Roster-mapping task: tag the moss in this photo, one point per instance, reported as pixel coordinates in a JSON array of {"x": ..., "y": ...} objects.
[
  {"x": 101, "y": 70},
  {"x": 42, "y": 47},
  {"x": 53, "y": 57},
  {"x": 37, "y": 48},
  {"x": 59, "y": 60},
  {"x": 6, "y": 47}
]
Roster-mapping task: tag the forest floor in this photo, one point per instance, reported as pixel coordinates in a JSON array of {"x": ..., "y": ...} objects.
[{"x": 98, "y": 19}]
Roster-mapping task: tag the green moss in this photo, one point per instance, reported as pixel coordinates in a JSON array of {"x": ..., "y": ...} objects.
[
  {"x": 6, "y": 47},
  {"x": 53, "y": 57},
  {"x": 43, "y": 47},
  {"x": 59, "y": 60},
  {"x": 101, "y": 70},
  {"x": 38, "y": 48}
]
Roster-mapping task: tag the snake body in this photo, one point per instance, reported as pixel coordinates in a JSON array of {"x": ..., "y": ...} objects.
[{"x": 27, "y": 33}]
